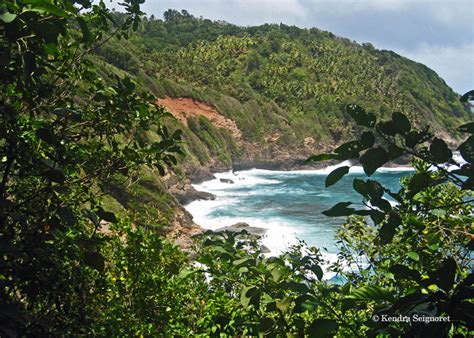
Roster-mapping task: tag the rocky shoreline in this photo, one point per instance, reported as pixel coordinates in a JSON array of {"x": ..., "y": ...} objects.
[{"x": 183, "y": 227}]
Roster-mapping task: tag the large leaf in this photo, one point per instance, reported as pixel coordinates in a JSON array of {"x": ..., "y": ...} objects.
[
  {"x": 248, "y": 295},
  {"x": 340, "y": 209},
  {"x": 265, "y": 325},
  {"x": 321, "y": 157},
  {"x": 107, "y": 216},
  {"x": 401, "y": 123},
  {"x": 468, "y": 96},
  {"x": 418, "y": 182},
  {"x": 467, "y": 128},
  {"x": 7, "y": 17},
  {"x": 361, "y": 117},
  {"x": 322, "y": 327},
  {"x": 440, "y": 151},
  {"x": 373, "y": 159},
  {"x": 94, "y": 260},
  {"x": 349, "y": 150},
  {"x": 445, "y": 275},
  {"x": 367, "y": 139},
  {"x": 372, "y": 292},
  {"x": 336, "y": 175},
  {"x": 403, "y": 272},
  {"x": 467, "y": 149},
  {"x": 388, "y": 229},
  {"x": 86, "y": 35}
]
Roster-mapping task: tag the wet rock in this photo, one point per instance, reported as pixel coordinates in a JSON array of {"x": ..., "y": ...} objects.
[
  {"x": 191, "y": 195},
  {"x": 200, "y": 175},
  {"x": 226, "y": 180},
  {"x": 241, "y": 226}
]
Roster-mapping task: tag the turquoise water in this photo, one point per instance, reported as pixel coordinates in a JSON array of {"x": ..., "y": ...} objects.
[{"x": 287, "y": 204}]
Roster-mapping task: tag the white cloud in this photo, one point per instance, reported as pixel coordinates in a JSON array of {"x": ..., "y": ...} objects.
[{"x": 243, "y": 12}]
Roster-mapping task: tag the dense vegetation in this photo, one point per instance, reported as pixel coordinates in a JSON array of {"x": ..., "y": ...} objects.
[
  {"x": 310, "y": 74},
  {"x": 71, "y": 139}
]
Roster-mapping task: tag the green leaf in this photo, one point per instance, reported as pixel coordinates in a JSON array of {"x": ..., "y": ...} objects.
[
  {"x": 371, "y": 292},
  {"x": 304, "y": 303},
  {"x": 277, "y": 273},
  {"x": 349, "y": 150},
  {"x": 401, "y": 123},
  {"x": 413, "y": 255},
  {"x": 248, "y": 295},
  {"x": 340, "y": 209},
  {"x": 95, "y": 260},
  {"x": 361, "y": 117},
  {"x": 243, "y": 261},
  {"x": 374, "y": 189},
  {"x": 283, "y": 304},
  {"x": 322, "y": 327},
  {"x": 440, "y": 151},
  {"x": 468, "y": 96},
  {"x": 445, "y": 275},
  {"x": 265, "y": 325},
  {"x": 321, "y": 157},
  {"x": 55, "y": 175},
  {"x": 367, "y": 139},
  {"x": 360, "y": 186},
  {"x": 387, "y": 128},
  {"x": 388, "y": 230},
  {"x": 86, "y": 34},
  {"x": 466, "y": 149},
  {"x": 394, "y": 152},
  {"x": 404, "y": 272},
  {"x": 373, "y": 159},
  {"x": 7, "y": 17},
  {"x": 186, "y": 273},
  {"x": 336, "y": 175},
  {"x": 467, "y": 128},
  {"x": 67, "y": 216},
  {"x": 47, "y": 8},
  {"x": 107, "y": 216},
  {"x": 382, "y": 204},
  {"x": 318, "y": 271},
  {"x": 418, "y": 182}
]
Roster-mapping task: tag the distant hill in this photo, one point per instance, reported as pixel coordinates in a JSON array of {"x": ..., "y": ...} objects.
[{"x": 284, "y": 87}]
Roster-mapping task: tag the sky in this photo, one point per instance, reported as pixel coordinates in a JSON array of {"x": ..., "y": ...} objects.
[{"x": 437, "y": 33}]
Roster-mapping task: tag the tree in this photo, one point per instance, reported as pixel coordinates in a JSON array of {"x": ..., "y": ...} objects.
[
  {"x": 63, "y": 132},
  {"x": 418, "y": 249}
]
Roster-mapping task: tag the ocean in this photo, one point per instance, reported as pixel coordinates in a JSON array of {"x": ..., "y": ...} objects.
[{"x": 286, "y": 203}]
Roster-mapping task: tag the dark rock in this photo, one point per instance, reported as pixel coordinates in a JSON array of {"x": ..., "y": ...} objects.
[
  {"x": 241, "y": 226},
  {"x": 264, "y": 249},
  {"x": 200, "y": 175},
  {"x": 226, "y": 180},
  {"x": 191, "y": 195}
]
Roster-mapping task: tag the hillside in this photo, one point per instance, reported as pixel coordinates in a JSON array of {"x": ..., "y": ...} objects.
[{"x": 284, "y": 87}]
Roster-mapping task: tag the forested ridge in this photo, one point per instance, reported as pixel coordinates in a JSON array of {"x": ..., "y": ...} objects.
[
  {"x": 311, "y": 75},
  {"x": 87, "y": 156}
]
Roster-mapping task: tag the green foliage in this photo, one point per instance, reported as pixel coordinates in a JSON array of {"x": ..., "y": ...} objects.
[
  {"x": 63, "y": 133},
  {"x": 275, "y": 79},
  {"x": 80, "y": 254},
  {"x": 419, "y": 248}
]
